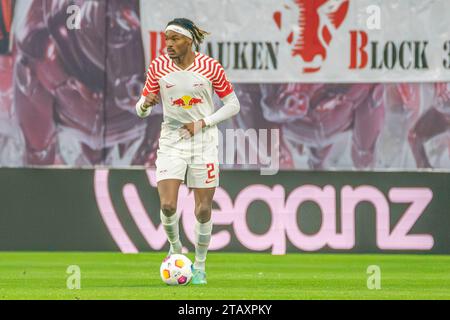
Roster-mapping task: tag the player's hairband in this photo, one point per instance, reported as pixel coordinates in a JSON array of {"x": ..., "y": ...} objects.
[{"x": 180, "y": 30}]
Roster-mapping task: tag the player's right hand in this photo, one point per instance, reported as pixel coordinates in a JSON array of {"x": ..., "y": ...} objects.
[{"x": 150, "y": 100}]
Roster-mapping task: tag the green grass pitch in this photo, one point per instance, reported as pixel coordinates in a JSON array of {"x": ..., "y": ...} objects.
[{"x": 230, "y": 276}]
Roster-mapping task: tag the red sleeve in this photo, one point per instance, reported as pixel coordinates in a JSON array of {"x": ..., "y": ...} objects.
[
  {"x": 220, "y": 82},
  {"x": 151, "y": 84}
]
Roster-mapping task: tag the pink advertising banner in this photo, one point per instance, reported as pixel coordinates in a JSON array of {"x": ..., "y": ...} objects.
[{"x": 295, "y": 211}]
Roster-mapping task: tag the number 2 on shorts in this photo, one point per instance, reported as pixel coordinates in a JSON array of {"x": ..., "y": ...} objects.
[{"x": 210, "y": 167}]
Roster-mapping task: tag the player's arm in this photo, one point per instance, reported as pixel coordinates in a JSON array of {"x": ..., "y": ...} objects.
[
  {"x": 230, "y": 108},
  {"x": 149, "y": 97},
  {"x": 145, "y": 105},
  {"x": 225, "y": 91}
]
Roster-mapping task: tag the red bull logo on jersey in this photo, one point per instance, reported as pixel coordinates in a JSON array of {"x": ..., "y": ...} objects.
[
  {"x": 186, "y": 102},
  {"x": 317, "y": 23}
]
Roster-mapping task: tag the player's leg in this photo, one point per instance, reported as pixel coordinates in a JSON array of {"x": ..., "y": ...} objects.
[
  {"x": 317, "y": 157},
  {"x": 169, "y": 176},
  {"x": 429, "y": 125},
  {"x": 35, "y": 110},
  {"x": 367, "y": 125},
  {"x": 203, "y": 178},
  {"x": 168, "y": 195},
  {"x": 203, "y": 230},
  {"x": 92, "y": 156}
]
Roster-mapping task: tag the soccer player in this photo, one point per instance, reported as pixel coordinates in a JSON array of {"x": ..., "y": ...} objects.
[{"x": 186, "y": 80}]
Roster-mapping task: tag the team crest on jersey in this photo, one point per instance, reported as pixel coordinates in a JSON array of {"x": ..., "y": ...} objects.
[{"x": 186, "y": 102}]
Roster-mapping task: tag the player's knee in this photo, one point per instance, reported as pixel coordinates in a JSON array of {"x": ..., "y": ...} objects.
[
  {"x": 413, "y": 138},
  {"x": 363, "y": 159},
  {"x": 203, "y": 212},
  {"x": 168, "y": 208}
]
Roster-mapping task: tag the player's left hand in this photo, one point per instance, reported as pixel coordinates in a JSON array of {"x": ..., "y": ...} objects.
[{"x": 189, "y": 129}]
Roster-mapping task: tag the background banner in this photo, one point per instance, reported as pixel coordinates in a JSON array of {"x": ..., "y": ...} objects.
[
  {"x": 315, "y": 41},
  {"x": 71, "y": 72},
  {"x": 111, "y": 210}
]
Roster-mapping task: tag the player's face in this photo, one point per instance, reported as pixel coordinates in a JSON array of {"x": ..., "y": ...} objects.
[{"x": 177, "y": 44}]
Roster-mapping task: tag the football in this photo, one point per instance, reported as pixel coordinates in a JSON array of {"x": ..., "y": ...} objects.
[{"x": 176, "y": 269}]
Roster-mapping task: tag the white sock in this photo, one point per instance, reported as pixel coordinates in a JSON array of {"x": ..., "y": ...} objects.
[
  {"x": 202, "y": 239},
  {"x": 173, "y": 234}
]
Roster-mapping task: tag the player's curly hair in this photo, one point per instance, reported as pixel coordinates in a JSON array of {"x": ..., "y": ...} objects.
[{"x": 198, "y": 34}]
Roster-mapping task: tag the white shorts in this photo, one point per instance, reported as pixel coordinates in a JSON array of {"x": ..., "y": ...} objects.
[{"x": 199, "y": 174}]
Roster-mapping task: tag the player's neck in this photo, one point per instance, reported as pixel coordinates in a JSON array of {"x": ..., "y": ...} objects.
[{"x": 185, "y": 61}]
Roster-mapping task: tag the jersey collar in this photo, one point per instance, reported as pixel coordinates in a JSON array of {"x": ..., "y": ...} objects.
[{"x": 192, "y": 66}]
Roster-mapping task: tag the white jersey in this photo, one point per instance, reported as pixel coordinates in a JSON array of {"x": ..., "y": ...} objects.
[{"x": 186, "y": 95}]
